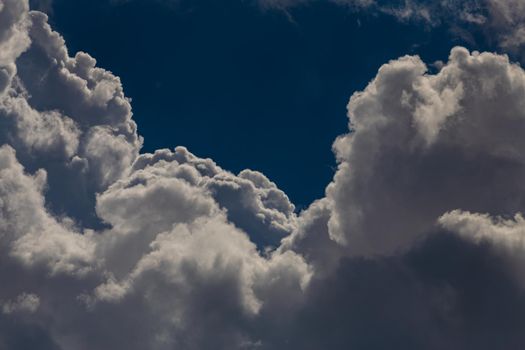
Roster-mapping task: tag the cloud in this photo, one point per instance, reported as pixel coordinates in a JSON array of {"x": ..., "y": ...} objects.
[
  {"x": 87, "y": 223},
  {"x": 13, "y": 39},
  {"x": 413, "y": 246},
  {"x": 506, "y": 236},
  {"x": 29, "y": 232},
  {"x": 252, "y": 201},
  {"x": 420, "y": 147},
  {"x": 23, "y": 303},
  {"x": 70, "y": 118},
  {"x": 500, "y": 21},
  {"x": 426, "y": 144}
]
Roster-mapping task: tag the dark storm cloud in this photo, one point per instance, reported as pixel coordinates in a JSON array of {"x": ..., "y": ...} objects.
[
  {"x": 417, "y": 244},
  {"x": 446, "y": 293}
]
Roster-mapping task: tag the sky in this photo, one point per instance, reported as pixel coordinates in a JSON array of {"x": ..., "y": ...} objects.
[
  {"x": 264, "y": 174},
  {"x": 264, "y": 89}
]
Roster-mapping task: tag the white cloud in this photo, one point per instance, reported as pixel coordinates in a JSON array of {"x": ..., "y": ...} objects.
[
  {"x": 70, "y": 162},
  {"x": 425, "y": 144},
  {"x": 13, "y": 38},
  {"x": 32, "y": 235},
  {"x": 70, "y": 118},
  {"x": 253, "y": 203},
  {"x": 506, "y": 233}
]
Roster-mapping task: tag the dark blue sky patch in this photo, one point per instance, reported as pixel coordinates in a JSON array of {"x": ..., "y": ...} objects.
[{"x": 265, "y": 90}]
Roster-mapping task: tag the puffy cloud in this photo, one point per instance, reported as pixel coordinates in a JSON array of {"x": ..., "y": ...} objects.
[
  {"x": 91, "y": 228},
  {"x": 68, "y": 117},
  {"x": 23, "y": 303},
  {"x": 206, "y": 278},
  {"x": 13, "y": 38},
  {"x": 252, "y": 202},
  {"x": 505, "y": 236},
  {"x": 104, "y": 248},
  {"x": 423, "y": 144},
  {"x": 28, "y": 232},
  {"x": 313, "y": 241},
  {"x": 445, "y": 293}
]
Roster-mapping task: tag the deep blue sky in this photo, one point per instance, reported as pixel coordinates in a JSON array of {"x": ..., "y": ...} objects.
[{"x": 265, "y": 90}]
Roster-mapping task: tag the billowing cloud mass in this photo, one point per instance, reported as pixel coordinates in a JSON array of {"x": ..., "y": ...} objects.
[{"x": 418, "y": 243}]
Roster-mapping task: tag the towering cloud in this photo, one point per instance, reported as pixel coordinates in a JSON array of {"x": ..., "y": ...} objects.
[
  {"x": 426, "y": 144},
  {"x": 417, "y": 244}
]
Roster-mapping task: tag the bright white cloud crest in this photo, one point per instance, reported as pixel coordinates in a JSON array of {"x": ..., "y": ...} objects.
[{"x": 103, "y": 246}]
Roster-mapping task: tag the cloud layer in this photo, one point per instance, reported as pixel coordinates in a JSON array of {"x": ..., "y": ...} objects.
[{"x": 417, "y": 244}]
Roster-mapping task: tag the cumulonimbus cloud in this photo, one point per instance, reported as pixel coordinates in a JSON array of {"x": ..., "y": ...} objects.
[{"x": 106, "y": 248}]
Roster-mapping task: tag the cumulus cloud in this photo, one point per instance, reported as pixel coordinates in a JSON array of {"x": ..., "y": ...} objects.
[
  {"x": 13, "y": 39},
  {"x": 88, "y": 223},
  {"x": 252, "y": 201},
  {"x": 418, "y": 242},
  {"x": 426, "y": 144},
  {"x": 506, "y": 236},
  {"x": 70, "y": 118},
  {"x": 23, "y": 303},
  {"x": 429, "y": 170}
]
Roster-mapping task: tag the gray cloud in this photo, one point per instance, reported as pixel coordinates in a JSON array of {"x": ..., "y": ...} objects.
[
  {"x": 23, "y": 303},
  {"x": 13, "y": 38},
  {"x": 252, "y": 201},
  {"x": 102, "y": 247},
  {"x": 70, "y": 118},
  {"x": 426, "y": 144}
]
